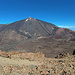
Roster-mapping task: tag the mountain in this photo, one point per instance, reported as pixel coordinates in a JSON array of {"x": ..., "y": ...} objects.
[
  {"x": 25, "y": 35},
  {"x": 30, "y": 28}
]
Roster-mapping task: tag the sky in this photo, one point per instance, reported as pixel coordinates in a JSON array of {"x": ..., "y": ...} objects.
[{"x": 59, "y": 12}]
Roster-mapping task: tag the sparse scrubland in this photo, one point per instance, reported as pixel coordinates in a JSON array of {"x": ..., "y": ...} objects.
[{"x": 16, "y": 63}]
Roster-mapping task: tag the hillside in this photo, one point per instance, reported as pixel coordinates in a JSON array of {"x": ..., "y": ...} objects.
[{"x": 36, "y": 64}]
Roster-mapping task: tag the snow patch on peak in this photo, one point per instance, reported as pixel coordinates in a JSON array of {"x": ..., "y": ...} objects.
[
  {"x": 26, "y": 20},
  {"x": 29, "y": 18}
]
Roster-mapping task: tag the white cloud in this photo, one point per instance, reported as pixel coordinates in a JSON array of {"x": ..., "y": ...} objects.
[{"x": 67, "y": 26}]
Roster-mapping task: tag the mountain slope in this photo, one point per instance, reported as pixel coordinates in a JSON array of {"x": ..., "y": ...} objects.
[{"x": 11, "y": 34}]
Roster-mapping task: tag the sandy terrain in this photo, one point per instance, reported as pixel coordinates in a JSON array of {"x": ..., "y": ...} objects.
[{"x": 37, "y": 64}]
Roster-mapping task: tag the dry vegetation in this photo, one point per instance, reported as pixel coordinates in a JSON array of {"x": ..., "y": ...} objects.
[{"x": 16, "y": 63}]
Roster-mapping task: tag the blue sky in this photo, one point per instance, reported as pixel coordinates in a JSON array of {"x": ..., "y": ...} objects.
[{"x": 58, "y": 12}]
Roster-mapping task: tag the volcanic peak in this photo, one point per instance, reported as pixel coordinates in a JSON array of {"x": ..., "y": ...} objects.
[{"x": 29, "y": 18}]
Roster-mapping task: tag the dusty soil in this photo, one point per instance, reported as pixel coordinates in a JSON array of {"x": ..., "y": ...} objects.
[{"x": 35, "y": 64}]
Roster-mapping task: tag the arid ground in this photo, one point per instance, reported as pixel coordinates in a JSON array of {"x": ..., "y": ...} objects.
[{"x": 16, "y": 63}]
